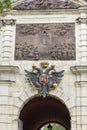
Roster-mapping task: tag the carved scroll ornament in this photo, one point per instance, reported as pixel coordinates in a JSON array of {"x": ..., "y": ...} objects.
[
  {"x": 8, "y": 21},
  {"x": 81, "y": 20}
]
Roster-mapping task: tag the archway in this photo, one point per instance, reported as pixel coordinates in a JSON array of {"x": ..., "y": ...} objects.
[{"x": 36, "y": 113}]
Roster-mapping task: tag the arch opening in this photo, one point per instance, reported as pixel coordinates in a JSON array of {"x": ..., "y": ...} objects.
[
  {"x": 40, "y": 111},
  {"x": 53, "y": 126}
]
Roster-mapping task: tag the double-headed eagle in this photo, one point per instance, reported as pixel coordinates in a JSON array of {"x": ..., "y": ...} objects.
[{"x": 44, "y": 80}]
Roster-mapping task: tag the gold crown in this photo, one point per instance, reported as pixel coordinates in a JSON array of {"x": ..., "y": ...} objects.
[
  {"x": 33, "y": 67},
  {"x": 44, "y": 64}
]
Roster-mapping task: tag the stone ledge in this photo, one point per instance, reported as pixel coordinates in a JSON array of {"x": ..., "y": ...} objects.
[
  {"x": 7, "y": 68},
  {"x": 44, "y": 12},
  {"x": 6, "y": 81},
  {"x": 78, "y": 69},
  {"x": 81, "y": 83}
]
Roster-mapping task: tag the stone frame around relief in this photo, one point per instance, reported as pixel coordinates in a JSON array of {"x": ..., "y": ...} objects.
[{"x": 47, "y": 41}]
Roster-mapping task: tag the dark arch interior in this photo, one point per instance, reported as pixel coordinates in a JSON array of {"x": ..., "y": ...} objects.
[{"x": 39, "y": 111}]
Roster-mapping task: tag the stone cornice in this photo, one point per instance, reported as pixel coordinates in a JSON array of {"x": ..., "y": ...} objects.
[
  {"x": 6, "y": 82},
  {"x": 83, "y": 9},
  {"x": 78, "y": 69},
  {"x": 50, "y": 11},
  {"x": 81, "y": 2},
  {"x": 45, "y": 12},
  {"x": 8, "y": 68},
  {"x": 81, "y": 83}
]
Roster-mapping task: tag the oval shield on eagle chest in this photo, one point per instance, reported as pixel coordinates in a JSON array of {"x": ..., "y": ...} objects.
[{"x": 44, "y": 79}]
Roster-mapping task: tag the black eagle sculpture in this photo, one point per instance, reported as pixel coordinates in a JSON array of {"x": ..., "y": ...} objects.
[{"x": 44, "y": 81}]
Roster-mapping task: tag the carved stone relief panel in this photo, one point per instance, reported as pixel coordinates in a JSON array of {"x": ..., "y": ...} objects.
[
  {"x": 45, "y": 41},
  {"x": 46, "y": 4}
]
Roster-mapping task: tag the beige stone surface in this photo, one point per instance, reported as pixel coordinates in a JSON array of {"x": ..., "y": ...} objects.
[{"x": 15, "y": 91}]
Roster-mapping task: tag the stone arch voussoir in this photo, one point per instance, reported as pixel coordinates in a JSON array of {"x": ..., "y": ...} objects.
[
  {"x": 23, "y": 98},
  {"x": 28, "y": 94}
]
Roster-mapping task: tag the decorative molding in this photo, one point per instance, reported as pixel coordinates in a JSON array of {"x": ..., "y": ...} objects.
[
  {"x": 81, "y": 2},
  {"x": 11, "y": 69},
  {"x": 83, "y": 9},
  {"x": 6, "y": 82},
  {"x": 81, "y": 83},
  {"x": 78, "y": 69},
  {"x": 46, "y": 4},
  {"x": 81, "y": 20},
  {"x": 8, "y": 21}
]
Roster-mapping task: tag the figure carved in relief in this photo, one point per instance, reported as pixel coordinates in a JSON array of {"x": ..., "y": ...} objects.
[
  {"x": 30, "y": 51},
  {"x": 56, "y": 52},
  {"x": 33, "y": 52}
]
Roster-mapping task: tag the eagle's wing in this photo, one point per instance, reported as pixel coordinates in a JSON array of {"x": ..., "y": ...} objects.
[
  {"x": 33, "y": 77},
  {"x": 57, "y": 76}
]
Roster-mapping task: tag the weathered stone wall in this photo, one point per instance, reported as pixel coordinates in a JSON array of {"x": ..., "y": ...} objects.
[{"x": 15, "y": 91}]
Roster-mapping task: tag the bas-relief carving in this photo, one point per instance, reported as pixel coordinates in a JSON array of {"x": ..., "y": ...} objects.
[
  {"x": 45, "y": 41},
  {"x": 46, "y": 4}
]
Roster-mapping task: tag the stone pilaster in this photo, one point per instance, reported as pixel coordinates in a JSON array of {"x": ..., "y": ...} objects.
[
  {"x": 7, "y": 83},
  {"x": 82, "y": 21},
  {"x": 81, "y": 96},
  {"x": 7, "y": 39}
]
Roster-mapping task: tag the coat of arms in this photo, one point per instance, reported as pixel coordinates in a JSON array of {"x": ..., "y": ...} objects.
[{"x": 44, "y": 80}]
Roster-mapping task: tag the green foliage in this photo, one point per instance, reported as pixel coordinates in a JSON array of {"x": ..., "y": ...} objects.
[
  {"x": 5, "y": 5},
  {"x": 54, "y": 127}
]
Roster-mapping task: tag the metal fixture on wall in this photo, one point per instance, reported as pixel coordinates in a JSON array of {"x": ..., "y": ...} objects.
[{"x": 49, "y": 127}]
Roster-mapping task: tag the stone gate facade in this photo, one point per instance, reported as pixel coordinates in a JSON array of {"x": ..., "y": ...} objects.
[{"x": 35, "y": 32}]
